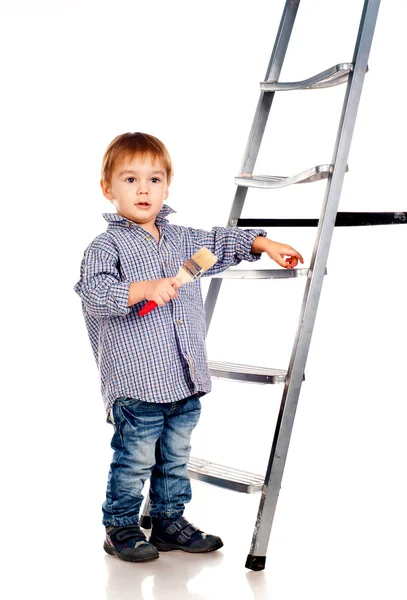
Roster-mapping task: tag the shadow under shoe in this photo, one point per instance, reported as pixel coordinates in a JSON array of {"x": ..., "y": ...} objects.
[
  {"x": 129, "y": 543},
  {"x": 179, "y": 534}
]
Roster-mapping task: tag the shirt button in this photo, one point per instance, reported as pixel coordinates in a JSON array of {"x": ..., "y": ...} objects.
[
  {"x": 148, "y": 238},
  {"x": 128, "y": 224},
  {"x": 166, "y": 264},
  {"x": 179, "y": 321}
]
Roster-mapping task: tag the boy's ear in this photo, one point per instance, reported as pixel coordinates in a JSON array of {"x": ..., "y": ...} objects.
[
  {"x": 106, "y": 190},
  {"x": 167, "y": 190}
]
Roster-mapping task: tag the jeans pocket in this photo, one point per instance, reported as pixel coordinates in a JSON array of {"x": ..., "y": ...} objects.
[
  {"x": 126, "y": 401},
  {"x": 128, "y": 410}
]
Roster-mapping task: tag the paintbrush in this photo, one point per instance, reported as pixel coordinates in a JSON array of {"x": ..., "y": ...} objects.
[{"x": 190, "y": 271}]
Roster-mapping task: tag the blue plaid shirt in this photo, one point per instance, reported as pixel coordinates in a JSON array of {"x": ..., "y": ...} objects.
[{"x": 160, "y": 357}]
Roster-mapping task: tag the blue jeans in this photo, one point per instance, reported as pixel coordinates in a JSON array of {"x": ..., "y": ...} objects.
[{"x": 149, "y": 440}]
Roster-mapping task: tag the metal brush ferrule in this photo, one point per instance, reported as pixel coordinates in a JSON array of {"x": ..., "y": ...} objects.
[{"x": 193, "y": 268}]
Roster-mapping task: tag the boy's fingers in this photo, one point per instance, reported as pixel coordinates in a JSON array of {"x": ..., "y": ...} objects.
[
  {"x": 292, "y": 260},
  {"x": 291, "y": 252},
  {"x": 298, "y": 255},
  {"x": 175, "y": 282},
  {"x": 289, "y": 263},
  {"x": 280, "y": 261},
  {"x": 293, "y": 257}
]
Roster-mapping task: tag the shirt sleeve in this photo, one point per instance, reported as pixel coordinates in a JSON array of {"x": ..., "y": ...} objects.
[
  {"x": 230, "y": 245},
  {"x": 100, "y": 287}
]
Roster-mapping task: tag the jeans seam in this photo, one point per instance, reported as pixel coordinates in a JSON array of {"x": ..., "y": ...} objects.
[
  {"x": 123, "y": 414},
  {"x": 164, "y": 470},
  {"x": 120, "y": 454}
]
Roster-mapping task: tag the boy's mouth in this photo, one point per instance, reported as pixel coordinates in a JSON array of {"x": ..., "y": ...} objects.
[{"x": 143, "y": 204}]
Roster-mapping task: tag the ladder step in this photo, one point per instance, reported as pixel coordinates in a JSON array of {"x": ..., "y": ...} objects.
[
  {"x": 317, "y": 173},
  {"x": 246, "y": 373},
  {"x": 227, "y": 477},
  {"x": 333, "y": 76},
  {"x": 261, "y": 273}
]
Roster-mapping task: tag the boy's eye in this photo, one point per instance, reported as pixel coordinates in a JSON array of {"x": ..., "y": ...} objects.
[
  {"x": 130, "y": 180},
  {"x": 155, "y": 180}
]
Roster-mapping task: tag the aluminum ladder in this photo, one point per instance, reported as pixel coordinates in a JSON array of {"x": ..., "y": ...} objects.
[{"x": 352, "y": 74}]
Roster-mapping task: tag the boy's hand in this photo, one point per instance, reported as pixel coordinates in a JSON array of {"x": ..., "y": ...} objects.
[
  {"x": 283, "y": 254},
  {"x": 162, "y": 290}
]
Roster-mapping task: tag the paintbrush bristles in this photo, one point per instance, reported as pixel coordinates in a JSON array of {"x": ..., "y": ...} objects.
[
  {"x": 204, "y": 258},
  {"x": 195, "y": 267}
]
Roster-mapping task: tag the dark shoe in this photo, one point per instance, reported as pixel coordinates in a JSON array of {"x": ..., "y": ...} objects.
[
  {"x": 168, "y": 534},
  {"x": 129, "y": 543}
]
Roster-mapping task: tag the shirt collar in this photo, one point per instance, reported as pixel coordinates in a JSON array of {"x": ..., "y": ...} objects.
[{"x": 160, "y": 218}]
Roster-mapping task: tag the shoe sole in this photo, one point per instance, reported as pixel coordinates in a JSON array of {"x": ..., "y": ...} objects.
[
  {"x": 113, "y": 552},
  {"x": 166, "y": 547}
]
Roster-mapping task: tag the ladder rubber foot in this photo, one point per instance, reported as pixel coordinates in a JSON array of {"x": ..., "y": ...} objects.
[
  {"x": 255, "y": 563},
  {"x": 145, "y": 522}
]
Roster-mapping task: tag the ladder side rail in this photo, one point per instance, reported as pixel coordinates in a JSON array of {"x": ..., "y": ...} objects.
[
  {"x": 266, "y": 98},
  {"x": 257, "y": 131},
  {"x": 285, "y": 421}
]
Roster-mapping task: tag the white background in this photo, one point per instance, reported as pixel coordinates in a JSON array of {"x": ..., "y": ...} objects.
[{"x": 76, "y": 74}]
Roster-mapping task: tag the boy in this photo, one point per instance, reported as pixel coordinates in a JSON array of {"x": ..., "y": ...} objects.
[{"x": 154, "y": 368}]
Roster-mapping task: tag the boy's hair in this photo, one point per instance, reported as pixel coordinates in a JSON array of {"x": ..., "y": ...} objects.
[{"x": 128, "y": 145}]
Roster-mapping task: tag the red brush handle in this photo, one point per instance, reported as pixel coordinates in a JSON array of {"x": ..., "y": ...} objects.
[{"x": 147, "y": 308}]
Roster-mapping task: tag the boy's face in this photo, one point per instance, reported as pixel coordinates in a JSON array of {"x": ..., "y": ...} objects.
[{"x": 137, "y": 189}]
